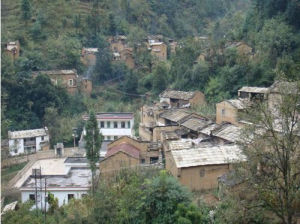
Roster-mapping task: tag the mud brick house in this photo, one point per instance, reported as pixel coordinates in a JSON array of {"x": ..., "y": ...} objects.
[
  {"x": 228, "y": 110},
  {"x": 68, "y": 79},
  {"x": 13, "y": 49},
  {"x": 182, "y": 99},
  {"x": 88, "y": 56},
  {"x": 127, "y": 152},
  {"x": 199, "y": 168},
  {"x": 118, "y": 43}
]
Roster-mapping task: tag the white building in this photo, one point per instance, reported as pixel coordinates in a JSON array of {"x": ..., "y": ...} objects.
[
  {"x": 114, "y": 125},
  {"x": 27, "y": 141},
  {"x": 65, "y": 178}
]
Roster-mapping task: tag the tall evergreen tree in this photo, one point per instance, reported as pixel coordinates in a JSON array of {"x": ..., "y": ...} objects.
[
  {"x": 26, "y": 9},
  {"x": 93, "y": 141}
]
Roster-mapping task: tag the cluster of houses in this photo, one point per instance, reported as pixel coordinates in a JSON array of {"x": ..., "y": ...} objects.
[
  {"x": 196, "y": 150},
  {"x": 121, "y": 51}
]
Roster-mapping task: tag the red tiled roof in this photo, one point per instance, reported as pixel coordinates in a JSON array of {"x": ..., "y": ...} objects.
[{"x": 124, "y": 147}]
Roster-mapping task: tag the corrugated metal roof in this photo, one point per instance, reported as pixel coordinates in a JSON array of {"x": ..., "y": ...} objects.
[
  {"x": 175, "y": 114},
  {"x": 253, "y": 89},
  {"x": 222, "y": 154},
  {"x": 27, "y": 133},
  {"x": 228, "y": 132},
  {"x": 177, "y": 94}
]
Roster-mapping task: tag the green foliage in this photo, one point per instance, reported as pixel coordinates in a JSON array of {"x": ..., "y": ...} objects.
[
  {"x": 93, "y": 141},
  {"x": 53, "y": 203},
  {"x": 160, "y": 75},
  {"x": 26, "y": 9}
]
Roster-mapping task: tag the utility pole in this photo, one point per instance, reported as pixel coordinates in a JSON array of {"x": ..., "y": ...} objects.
[
  {"x": 35, "y": 183},
  {"x": 45, "y": 211}
]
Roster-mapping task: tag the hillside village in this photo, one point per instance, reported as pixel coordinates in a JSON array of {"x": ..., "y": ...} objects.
[{"x": 130, "y": 112}]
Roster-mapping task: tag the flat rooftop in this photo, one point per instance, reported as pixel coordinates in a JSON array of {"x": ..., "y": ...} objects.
[
  {"x": 111, "y": 116},
  {"x": 48, "y": 167},
  {"x": 76, "y": 178}
]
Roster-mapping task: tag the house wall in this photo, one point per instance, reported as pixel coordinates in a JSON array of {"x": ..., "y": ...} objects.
[
  {"x": 198, "y": 99},
  {"x": 113, "y": 164},
  {"x": 229, "y": 114},
  {"x": 86, "y": 86},
  {"x": 157, "y": 131},
  {"x": 16, "y": 144},
  {"x": 191, "y": 176},
  {"x": 61, "y": 195},
  {"x": 160, "y": 51},
  {"x": 119, "y": 132},
  {"x": 170, "y": 164},
  {"x": 63, "y": 79},
  {"x": 19, "y": 144},
  {"x": 144, "y": 133},
  {"x": 88, "y": 59},
  {"x": 127, "y": 57}
]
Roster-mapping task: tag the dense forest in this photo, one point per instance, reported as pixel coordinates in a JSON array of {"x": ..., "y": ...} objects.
[{"x": 52, "y": 34}]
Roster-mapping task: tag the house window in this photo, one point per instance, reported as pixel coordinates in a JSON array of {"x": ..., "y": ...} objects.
[
  {"x": 123, "y": 124},
  {"x": 42, "y": 138},
  {"x": 223, "y": 111},
  {"x": 102, "y": 124},
  {"x": 202, "y": 172},
  {"x": 153, "y": 160},
  {"x": 32, "y": 197},
  {"x": 142, "y": 161},
  {"x": 70, "y": 196},
  {"x": 108, "y": 124},
  {"x": 115, "y": 137},
  {"x": 128, "y": 124},
  {"x": 115, "y": 124},
  {"x": 84, "y": 195},
  {"x": 108, "y": 137},
  {"x": 71, "y": 82}
]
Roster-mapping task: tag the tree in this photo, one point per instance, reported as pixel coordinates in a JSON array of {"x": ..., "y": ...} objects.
[
  {"x": 160, "y": 78},
  {"x": 53, "y": 203},
  {"x": 272, "y": 149},
  {"x": 26, "y": 9},
  {"x": 162, "y": 196},
  {"x": 93, "y": 141}
]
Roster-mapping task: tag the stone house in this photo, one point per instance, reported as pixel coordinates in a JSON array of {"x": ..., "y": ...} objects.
[
  {"x": 241, "y": 47},
  {"x": 88, "y": 56},
  {"x": 68, "y": 79},
  {"x": 182, "y": 99},
  {"x": 28, "y": 141},
  {"x": 199, "y": 168},
  {"x": 253, "y": 93},
  {"x": 13, "y": 49}
]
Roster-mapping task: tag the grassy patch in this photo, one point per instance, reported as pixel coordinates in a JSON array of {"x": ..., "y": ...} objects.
[{"x": 8, "y": 173}]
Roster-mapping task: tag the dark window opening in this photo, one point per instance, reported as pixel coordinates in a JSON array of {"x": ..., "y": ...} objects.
[
  {"x": 32, "y": 197},
  {"x": 102, "y": 124},
  {"x": 153, "y": 160},
  {"x": 123, "y": 124},
  {"x": 115, "y": 124},
  {"x": 70, "y": 196},
  {"x": 142, "y": 161}
]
